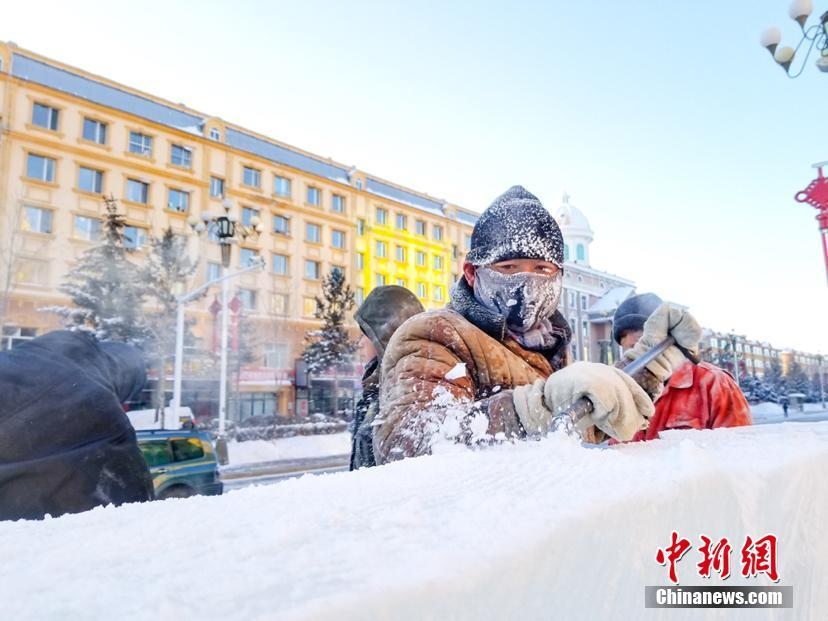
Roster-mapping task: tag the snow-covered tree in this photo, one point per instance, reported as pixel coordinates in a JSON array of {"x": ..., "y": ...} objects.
[
  {"x": 106, "y": 289},
  {"x": 168, "y": 267},
  {"x": 330, "y": 347}
]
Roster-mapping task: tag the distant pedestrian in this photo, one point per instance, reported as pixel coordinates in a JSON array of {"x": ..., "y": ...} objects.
[
  {"x": 66, "y": 445},
  {"x": 784, "y": 401},
  {"x": 384, "y": 310}
]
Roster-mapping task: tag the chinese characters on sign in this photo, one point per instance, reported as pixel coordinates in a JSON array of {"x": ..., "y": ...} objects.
[{"x": 757, "y": 557}]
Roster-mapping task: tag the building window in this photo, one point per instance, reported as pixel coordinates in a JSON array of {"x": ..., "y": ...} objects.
[
  {"x": 90, "y": 180},
  {"x": 359, "y": 295},
  {"x": 313, "y": 233},
  {"x": 566, "y": 252},
  {"x": 281, "y": 186},
  {"x": 310, "y": 308},
  {"x": 399, "y": 253},
  {"x": 402, "y": 282},
  {"x": 379, "y": 280},
  {"x": 437, "y": 232},
  {"x": 314, "y": 196},
  {"x": 45, "y": 116},
  {"x": 583, "y": 302},
  {"x": 360, "y": 261},
  {"x": 580, "y": 252},
  {"x": 381, "y": 249},
  {"x": 137, "y": 191},
  {"x": 420, "y": 258},
  {"x": 248, "y": 256},
  {"x": 251, "y": 177},
  {"x": 40, "y": 168},
  {"x": 213, "y": 271},
  {"x": 37, "y": 220},
  {"x": 94, "y": 131},
  {"x": 140, "y": 143},
  {"x": 280, "y": 303},
  {"x": 313, "y": 269},
  {"x": 438, "y": 293},
  {"x": 359, "y": 184},
  {"x": 215, "y": 134},
  {"x": 338, "y": 239},
  {"x": 467, "y": 241},
  {"x": 181, "y": 156},
  {"x": 87, "y": 228},
  {"x": 216, "y": 187},
  {"x": 30, "y": 272},
  {"x": 420, "y": 227},
  {"x": 338, "y": 203},
  {"x": 248, "y": 213},
  {"x": 360, "y": 226},
  {"x": 281, "y": 224},
  {"x": 421, "y": 290},
  {"x": 178, "y": 200},
  {"x": 381, "y": 216},
  {"x": 438, "y": 262},
  {"x": 135, "y": 237},
  {"x": 248, "y": 299},
  {"x": 280, "y": 264},
  {"x": 570, "y": 296},
  {"x": 402, "y": 222},
  {"x": 455, "y": 252}
]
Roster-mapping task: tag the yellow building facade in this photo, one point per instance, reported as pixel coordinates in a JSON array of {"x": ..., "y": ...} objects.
[{"x": 68, "y": 138}]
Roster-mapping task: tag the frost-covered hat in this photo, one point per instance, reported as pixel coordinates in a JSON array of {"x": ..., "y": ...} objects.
[
  {"x": 632, "y": 313},
  {"x": 516, "y": 226}
]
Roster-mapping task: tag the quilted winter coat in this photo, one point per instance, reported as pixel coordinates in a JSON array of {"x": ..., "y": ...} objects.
[
  {"x": 448, "y": 374},
  {"x": 701, "y": 396}
]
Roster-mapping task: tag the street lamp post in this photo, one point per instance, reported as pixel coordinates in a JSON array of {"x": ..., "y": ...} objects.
[
  {"x": 821, "y": 374},
  {"x": 816, "y": 36},
  {"x": 735, "y": 358},
  {"x": 225, "y": 228}
]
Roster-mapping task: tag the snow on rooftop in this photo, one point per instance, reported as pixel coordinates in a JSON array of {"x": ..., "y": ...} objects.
[{"x": 535, "y": 530}]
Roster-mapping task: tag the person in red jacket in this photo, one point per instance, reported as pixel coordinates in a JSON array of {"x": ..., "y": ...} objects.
[{"x": 697, "y": 396}]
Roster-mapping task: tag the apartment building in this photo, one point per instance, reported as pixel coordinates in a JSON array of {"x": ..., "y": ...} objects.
[{"x": 67, "y": 138}]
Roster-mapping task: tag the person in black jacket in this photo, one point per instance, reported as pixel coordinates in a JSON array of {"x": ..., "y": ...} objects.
[
  {"x": 66, "y": 445},
  {"x": 384, "y": 310}
]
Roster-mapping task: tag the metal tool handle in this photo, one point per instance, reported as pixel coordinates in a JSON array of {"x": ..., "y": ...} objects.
[{"x": 579, "y": 411}]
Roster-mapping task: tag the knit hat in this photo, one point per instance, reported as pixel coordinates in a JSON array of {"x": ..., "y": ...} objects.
[
  {"x": 632, "y": 313},
  {"x": 516, "y": 226}
]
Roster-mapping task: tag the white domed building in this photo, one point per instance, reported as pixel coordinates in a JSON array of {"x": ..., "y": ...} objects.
[{"x": 590, "y": 296}]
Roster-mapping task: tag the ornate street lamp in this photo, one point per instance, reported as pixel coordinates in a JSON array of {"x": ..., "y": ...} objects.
[
  {"x": 224, "y": 228},
  {"x": 816, "y": 195},
  {"x": 816, "y": 35}
]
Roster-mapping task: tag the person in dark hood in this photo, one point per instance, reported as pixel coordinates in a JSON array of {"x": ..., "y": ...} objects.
[
  {"x": 493, "y": 365},
  {"x": 384, "y": 310},
  {"x": 66, "y": 445}
]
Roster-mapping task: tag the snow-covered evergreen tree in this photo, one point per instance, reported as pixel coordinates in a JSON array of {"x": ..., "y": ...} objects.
[
  {"x": 106, "y": 288},
  {"x": 329, "y": 347},
  {"x": 167, "y": 268}
]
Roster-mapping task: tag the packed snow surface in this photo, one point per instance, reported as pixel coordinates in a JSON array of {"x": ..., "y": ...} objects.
[
  {"x": 533, "y": 530},
  {"x": 298, "y": 447}
]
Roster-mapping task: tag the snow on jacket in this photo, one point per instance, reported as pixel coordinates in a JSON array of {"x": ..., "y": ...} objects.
[
  {"x": 701, "y": 396},
  {"x": 448, "y": 374},
  {"x": 66, "y": 445}
]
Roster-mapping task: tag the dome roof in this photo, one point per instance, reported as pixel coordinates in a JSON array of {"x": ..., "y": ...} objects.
[{"x": 571, "y": 220}]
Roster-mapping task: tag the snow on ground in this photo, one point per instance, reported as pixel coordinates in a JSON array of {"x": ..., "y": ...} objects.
[
  {"x": 322, "y": 445},
  {"x": 534, "y": 530}
]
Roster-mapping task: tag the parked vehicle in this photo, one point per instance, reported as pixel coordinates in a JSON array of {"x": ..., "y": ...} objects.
[{"x": 182, "y": 463}]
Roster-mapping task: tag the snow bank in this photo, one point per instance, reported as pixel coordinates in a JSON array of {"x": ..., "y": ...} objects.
[
  {"x": 536, "y": 530},
  {"x": 297, "y": 447}
]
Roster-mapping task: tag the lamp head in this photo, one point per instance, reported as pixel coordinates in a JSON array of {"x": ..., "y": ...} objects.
[{"x": 770, "y": 39}]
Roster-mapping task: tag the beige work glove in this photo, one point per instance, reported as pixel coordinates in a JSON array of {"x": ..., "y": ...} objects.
[
  {"x": 667, "y": 320},
  {"x": 621, "y": 408},
  {"x": 531, "y": 410}
]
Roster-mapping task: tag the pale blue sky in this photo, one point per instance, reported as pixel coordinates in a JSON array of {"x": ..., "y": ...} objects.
[{"x": 666, "y": 122}]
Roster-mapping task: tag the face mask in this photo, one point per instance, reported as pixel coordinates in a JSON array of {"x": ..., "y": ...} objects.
[{"x": 523, "y": 299}]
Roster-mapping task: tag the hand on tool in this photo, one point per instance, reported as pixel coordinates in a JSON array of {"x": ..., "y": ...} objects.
[{"x": 666, "y": 321}]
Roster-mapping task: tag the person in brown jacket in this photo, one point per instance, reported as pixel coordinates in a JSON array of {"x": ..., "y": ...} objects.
[{"x": 492, "y": 365}]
